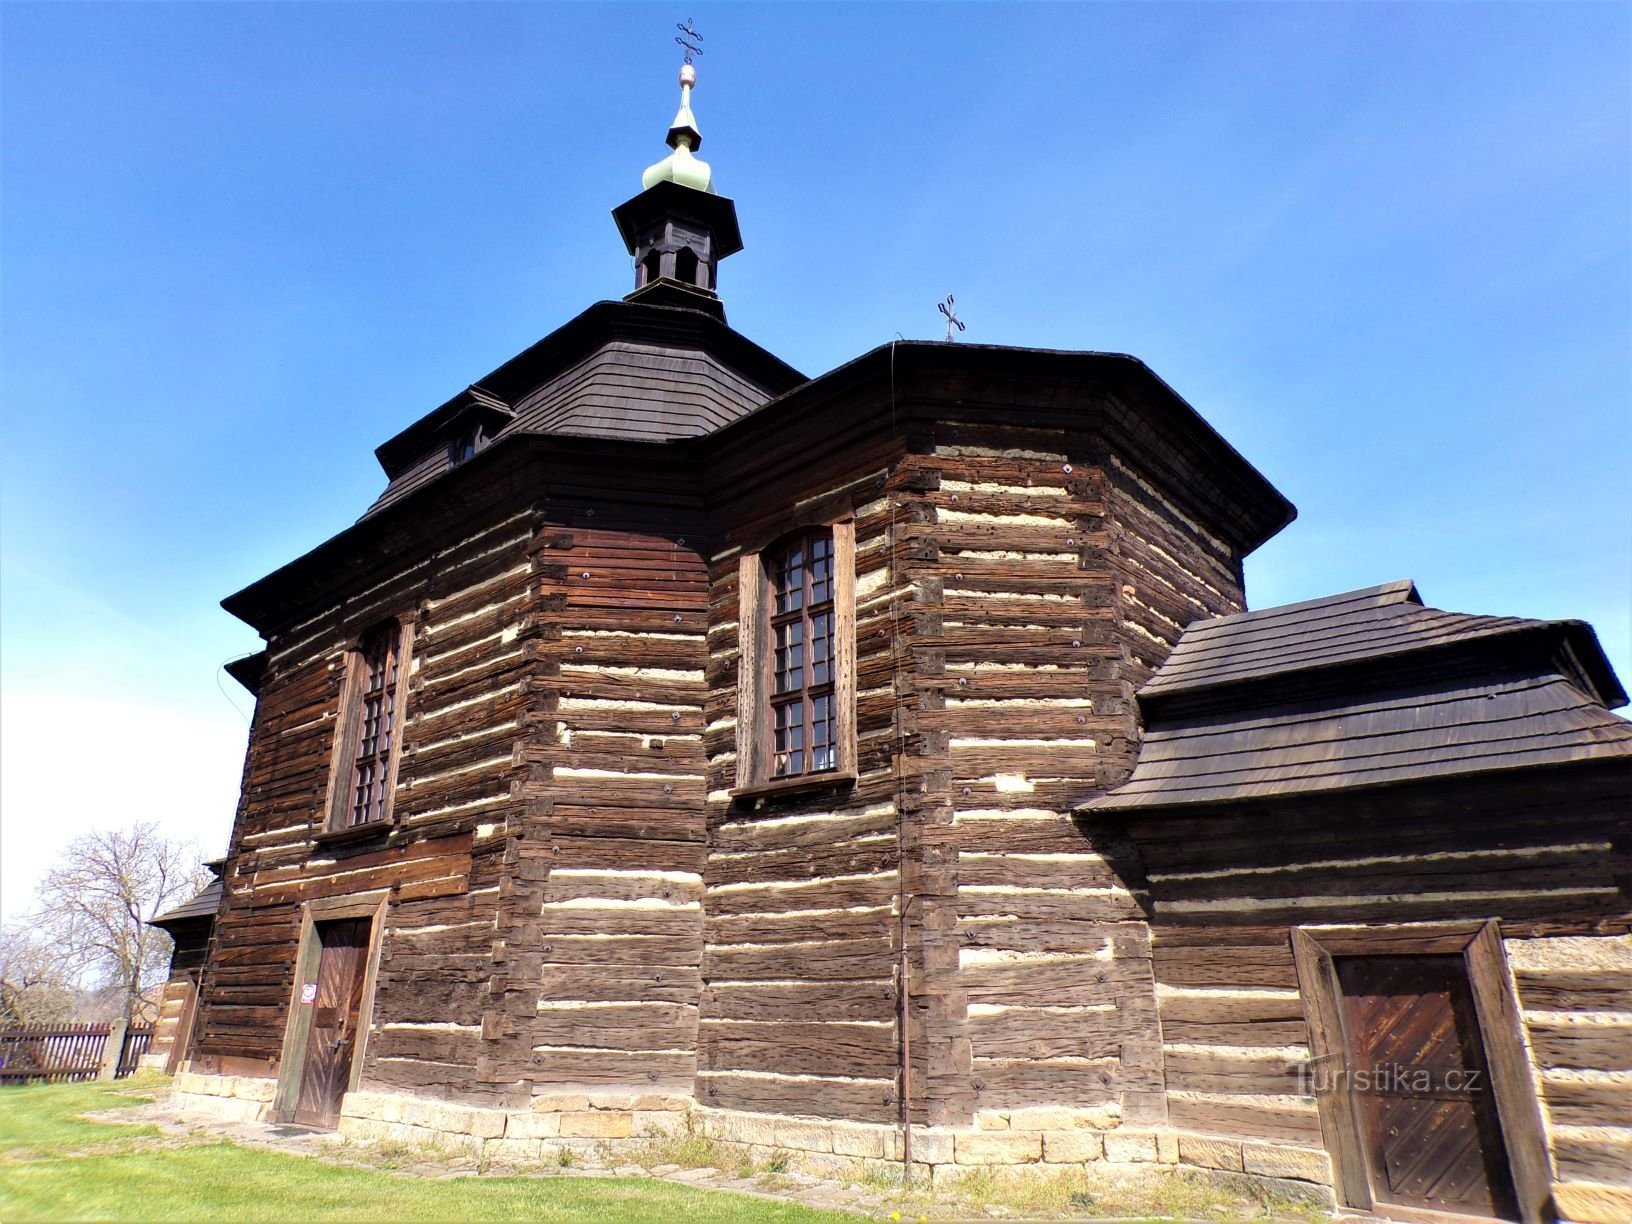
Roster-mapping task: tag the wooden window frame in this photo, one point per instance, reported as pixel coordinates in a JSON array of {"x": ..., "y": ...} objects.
[
  {"x": 1500, "y": 1030},
  {"x": 756, "y": 663},
  {"x": 338, "y": 802},
  {"x": 475, "y": 436},
  {"x": 309, "y": 953}
]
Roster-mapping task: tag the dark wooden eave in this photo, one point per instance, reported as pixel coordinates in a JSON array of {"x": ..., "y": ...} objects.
[
  {"x": 1112, "y": 394},
  {"x": 200, "y": 909},
  {"x": 513, "y": 471},
  {"x": 906, "y": 385},
  {"x": 248, "y": 671}
]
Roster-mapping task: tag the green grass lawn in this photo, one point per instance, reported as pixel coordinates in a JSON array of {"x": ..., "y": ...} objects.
[{"x": 57, "y": 1165}]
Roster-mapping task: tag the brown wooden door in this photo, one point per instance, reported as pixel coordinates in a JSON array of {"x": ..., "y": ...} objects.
[
  {"x": 1420, "y": 1087},
  {"x": 181, "y": 1042},
  {"x": 336, "y": 1004}
]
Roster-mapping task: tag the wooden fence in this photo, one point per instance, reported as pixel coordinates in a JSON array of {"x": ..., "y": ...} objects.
[{"x": 49, "y": 1053}]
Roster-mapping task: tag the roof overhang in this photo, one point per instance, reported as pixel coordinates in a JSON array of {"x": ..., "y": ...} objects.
[
  {"x": 1112, "y": 394},
  {"x": 697, "y": 326},
  {"x": 715, "y": 213}
]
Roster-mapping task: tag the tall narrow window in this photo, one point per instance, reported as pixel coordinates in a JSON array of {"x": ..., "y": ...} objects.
[
  {"x": 369, "y": 737},
  {"x": 796, "y": 677},
  {"x": 803, "y": 738}
]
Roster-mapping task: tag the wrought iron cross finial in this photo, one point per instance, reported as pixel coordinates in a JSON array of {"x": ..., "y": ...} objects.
[
  {"x": 948, "y": 308},
  {"x": 689, "y": 39}
]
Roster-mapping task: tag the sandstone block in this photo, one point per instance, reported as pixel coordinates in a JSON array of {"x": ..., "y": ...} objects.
[
  {"x": 653, "y": 1101},
  {"x": 989, "y": 1120},
  {"x": 1039, "y": 1119},
  {"x": 1073, "y": 1147},
  {"x": 532, "y": 1126},
  {"x": 1210, "y": 1153},
  {"x": 998, "y": 1148},
  {"x": 824, "y": 1164},
  {"x": 612, "y": 1100},
  {"x": 512, "y": 1151},
  {"x": 487, "y": 1123},
  {"x": 441, "y": 1116},
  {"x": 944, "y": 1176},
  {"x": 358, "y": 1128},
  {"x": 363, "y": 1105},
  {"x": 855, "y": 1139},
  {"x": 248, "y": 1088},
  {"x": 740, "y": 1128},
  {"x": 1167, "y": 1147},
  {"x": 1137, "y": 1146},
  {"x": 1301, "y": 1164},
  {"x": 931, "y": 1145},
  {"x": 597, "y": 1124},
  {"x": 803, "y": 1136},
  {"x": 658, "y": 1122},
  {"x": 557, "y": 1102}
]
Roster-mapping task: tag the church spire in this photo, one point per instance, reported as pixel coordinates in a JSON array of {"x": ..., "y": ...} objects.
[
  {"x": 679, "y": 228},
  {"x": 681, "y": 166}
]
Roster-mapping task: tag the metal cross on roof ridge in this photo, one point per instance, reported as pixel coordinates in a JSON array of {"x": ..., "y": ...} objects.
[
  {"x": 688, "y": 38},
  {"x": 949, "y": 309}
]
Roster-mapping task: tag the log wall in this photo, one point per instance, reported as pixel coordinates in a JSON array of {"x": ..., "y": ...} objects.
[
  {"x": 601, "y": 936},
  {"x": 799, "y": 999},
  {"x": 1015, "y": 584},
  {"x": 1576, "y": 996},
  {"x": 443, "y": 858},
  {"x": 1549, "y": 857}
]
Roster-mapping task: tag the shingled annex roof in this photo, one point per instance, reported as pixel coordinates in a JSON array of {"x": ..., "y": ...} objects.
[
  {"x": 1364, "y": 689},
  {"x": 203, "y": 905}
]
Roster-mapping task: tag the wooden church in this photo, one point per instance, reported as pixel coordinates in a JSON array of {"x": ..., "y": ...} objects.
[{"x": 883, "y": 767}]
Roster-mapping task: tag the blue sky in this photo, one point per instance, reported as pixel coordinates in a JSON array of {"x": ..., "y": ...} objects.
[{"x": 1383, "y": 248}]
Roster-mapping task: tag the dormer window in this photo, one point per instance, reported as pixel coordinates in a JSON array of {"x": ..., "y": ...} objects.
[{"x": 465, "y": 444}]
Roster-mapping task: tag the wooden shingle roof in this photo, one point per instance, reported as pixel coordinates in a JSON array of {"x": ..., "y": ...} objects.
[
  {"x": 202, "y": 905},
  {"x": 638, "y": 370},
  {"x": 1364, "y": 689}
]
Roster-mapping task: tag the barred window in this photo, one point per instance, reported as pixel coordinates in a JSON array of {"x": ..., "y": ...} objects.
[{"x": 366, "y": 766}]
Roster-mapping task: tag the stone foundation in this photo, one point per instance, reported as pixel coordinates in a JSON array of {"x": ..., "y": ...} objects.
[
  {"x": 584, "y": 1127},
  {"x": 232, "y": 1098},
  {"x": 574, "y": 1123}
]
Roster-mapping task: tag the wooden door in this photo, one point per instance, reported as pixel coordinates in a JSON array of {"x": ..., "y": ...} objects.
[
  {"x": 336, "y": 1002},
  {"x": 181, "y": 1042},
  {"x": 1420, "y": 1086}
]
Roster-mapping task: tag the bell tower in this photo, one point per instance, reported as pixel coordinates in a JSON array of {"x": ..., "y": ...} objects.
[{"x": 679, "y": 228}]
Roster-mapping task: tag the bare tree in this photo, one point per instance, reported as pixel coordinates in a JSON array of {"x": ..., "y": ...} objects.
[
  {"x": 96, "y": 902},
  {"x": 36, "y": 983}
]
